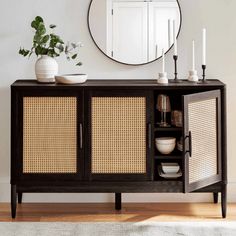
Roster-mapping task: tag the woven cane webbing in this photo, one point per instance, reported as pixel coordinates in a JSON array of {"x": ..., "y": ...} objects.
[
  {"x": 203, "y": 125},
  {"x": 118, "y": 135},
  {"x": 49, "y": 134}
]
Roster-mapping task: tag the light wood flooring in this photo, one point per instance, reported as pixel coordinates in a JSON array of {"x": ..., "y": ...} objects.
[{"x": 104, "y": 212}]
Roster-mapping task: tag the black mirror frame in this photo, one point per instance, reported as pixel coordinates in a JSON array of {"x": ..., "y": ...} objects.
[{"x": 180, "y": 25}]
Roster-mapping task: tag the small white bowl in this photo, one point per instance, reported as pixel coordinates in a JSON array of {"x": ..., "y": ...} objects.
[
  {"x": 71, "y": 78},
  {"x": 165, "y": 145},
  {"x": 165, "y": 140},
  {"x": 170, "y": 168}
]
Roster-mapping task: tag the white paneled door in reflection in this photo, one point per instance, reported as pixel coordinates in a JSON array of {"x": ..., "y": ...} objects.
[
  {"x": 138, "y": 31},
  {"x": 160, "y": 33},
  {"x": 129, "y": 32}
]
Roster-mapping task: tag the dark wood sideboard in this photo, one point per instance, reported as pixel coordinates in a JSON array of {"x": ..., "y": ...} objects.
[{"x": 99, "y": 137}]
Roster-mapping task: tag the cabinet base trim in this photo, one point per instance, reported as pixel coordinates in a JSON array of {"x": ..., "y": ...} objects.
[{"x": 119, "y": 187}]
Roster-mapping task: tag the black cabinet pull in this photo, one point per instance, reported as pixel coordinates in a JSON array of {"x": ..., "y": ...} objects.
[
  {"x": 189, "y": 143},
  {"x": 81, "y": 135},
  {"x": 149, "y": 135}
]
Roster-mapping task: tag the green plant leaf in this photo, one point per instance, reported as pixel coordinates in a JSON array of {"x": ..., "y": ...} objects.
[
  {"x": 23, "y": 52},
  {"x": 37, "y": 38},
  {"x": 73, "y": 45},
  {"x": 41, "y": 28},
  {"x": 79, "y": 64},
  {"x": 38, "y": 19},
  {"x": 34, "y": 25},
  {"x": 52, "y": 53},
  {"x": 20, "y": 51},
  {"x": 44, "y": 51},
  {"x": 41, "y": 50},
  {"x": 38, "y": 50},
  {"x": 60, "y": 41},
  {"x": 57, "y": 38},
  {"x": 52, "y": 26},
  {"x": 30, "y": 53},
  {"x": 45, "y": 39},
  {"x": 52, "y": 43},
  {"x": 74, "y": 56},
  {"x": 60, "y": 47},
  {"x": 66, "y": 49}
]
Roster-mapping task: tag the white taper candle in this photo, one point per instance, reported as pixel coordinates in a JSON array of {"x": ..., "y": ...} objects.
[
  {"x": 169, "y": 33},
  {"x": 163, "y": 61},
  {"x": 175, "y": 39},
  {"x": 204, "y": 46},
  {"x": 193, "y": 55}
]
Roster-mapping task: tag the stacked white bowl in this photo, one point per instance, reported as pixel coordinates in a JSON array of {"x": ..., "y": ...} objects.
[
  {"x": 165, "y": 145},
  {"x": 170, "y": 168}
]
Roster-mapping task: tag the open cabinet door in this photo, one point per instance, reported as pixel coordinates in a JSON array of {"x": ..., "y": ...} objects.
[{"x": 202, "y": 139}]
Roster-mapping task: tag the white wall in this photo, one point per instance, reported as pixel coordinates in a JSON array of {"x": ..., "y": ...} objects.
[
  {"x": 71, "y": 17},
  {"x": 98, "y": 22}
]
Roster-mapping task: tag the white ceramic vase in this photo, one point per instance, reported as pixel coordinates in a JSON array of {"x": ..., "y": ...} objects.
[{"x": 45, "y": 69}]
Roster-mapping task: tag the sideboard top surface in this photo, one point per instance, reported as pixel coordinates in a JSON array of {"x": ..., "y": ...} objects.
[{"x": 107, "y": 83}]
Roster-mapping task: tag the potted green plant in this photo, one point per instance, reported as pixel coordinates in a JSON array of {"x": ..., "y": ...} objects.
[{"x": 48, "y": 46}]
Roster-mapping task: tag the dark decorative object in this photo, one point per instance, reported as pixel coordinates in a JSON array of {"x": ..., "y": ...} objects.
[
  {"x": 176, "y": 80},
  {"x": 204, "y": 73},
  {"x": 163, "y": 106}
]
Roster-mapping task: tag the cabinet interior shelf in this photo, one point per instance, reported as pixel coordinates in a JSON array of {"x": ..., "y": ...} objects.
[
  {"x": 166, "y": 129},
  {"x": 174, "y": 155},
  {"x": 170, "y": 157},
  {"x": 161, "y": 179}
]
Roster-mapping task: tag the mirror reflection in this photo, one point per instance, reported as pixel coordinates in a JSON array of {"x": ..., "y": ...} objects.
[{"x": 134, "y": 32}]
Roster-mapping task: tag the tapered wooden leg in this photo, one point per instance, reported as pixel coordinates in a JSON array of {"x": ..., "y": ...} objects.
[
  {"x": 20, "y": 198},
  {"x": 215, "y": 196},
  {"x": 224, "y": 200},
  {"x": 13, "y": 201},
  {"x": 118, "y": 201}
]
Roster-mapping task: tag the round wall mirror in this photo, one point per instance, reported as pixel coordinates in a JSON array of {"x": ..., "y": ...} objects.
[{"x": 134, "y": 32}]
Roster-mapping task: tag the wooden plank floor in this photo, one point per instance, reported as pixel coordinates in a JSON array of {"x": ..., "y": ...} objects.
[{"x": 131, "y": 212}]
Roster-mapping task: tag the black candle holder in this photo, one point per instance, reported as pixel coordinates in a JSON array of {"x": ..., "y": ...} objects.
[
  {"x": 175, "y": 60},
  {"x": 204, "y": 73},
  {"x": 176, "y": 80}
]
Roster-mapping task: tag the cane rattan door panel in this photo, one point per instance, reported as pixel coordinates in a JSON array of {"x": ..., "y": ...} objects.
[
  {"x": 202, "y": 130},
  {"x": 50, "y": 135},
  {"x": 118, "y": 136}
]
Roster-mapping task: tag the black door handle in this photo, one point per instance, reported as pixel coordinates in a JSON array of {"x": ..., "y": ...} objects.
[
  {"x": 189, "y": 143},
  {"x": 81, "y": 135},
  {"x": 149, "y": 135}
]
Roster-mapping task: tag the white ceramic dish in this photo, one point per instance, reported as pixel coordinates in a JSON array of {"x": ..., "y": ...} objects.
[
  {"x": 165, "y": 148},
  {"x": 165, "y": 145},
  {"x": 169, "y": 176},
  {"x": 165, "y": 140},
  {"x": 71, "y": 78},
  {"x": 170, "y": 168}
]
